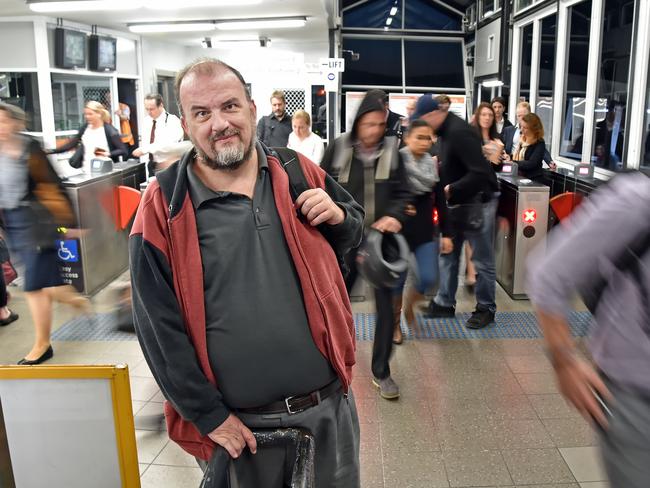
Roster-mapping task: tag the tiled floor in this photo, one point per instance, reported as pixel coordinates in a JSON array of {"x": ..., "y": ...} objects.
[{"x": 473, "y": 413}]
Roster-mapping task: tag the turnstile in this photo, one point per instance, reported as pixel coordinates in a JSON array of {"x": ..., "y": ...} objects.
[{"x": 522, "y": 220}]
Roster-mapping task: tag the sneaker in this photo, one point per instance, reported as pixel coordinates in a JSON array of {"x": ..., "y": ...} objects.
[
  {"x": 438, "y": 311},
  {"x": 480, "y": 319},
  {"x": 388, "y": 389}
]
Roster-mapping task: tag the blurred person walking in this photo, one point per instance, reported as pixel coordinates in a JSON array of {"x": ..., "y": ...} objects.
[
  {"x": 33, "y": 204},
  {"x": 612, "y": 273},
  {"x": 420, "y": 231}
]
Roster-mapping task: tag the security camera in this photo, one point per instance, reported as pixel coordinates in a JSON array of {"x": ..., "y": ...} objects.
[
  {"x": 265, "y": 42},
  {"x": 465, "y": 20},
  {"x": 207, "y": 42}
]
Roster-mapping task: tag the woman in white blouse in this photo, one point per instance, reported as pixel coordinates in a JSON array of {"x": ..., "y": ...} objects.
[{"x": 303, "y": 140}]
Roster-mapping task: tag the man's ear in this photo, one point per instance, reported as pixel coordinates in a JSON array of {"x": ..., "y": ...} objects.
[{"x": 184, "y": 124}]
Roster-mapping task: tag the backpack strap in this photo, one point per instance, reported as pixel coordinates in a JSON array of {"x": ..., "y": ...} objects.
[{"x": 291, "y": 163}]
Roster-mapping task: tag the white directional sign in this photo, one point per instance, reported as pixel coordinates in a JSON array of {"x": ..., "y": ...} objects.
[
  {"x": 331, "y": 81},
  {"x": 332, "y": 64}
]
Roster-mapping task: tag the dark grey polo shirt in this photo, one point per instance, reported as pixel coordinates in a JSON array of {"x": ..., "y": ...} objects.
[{"x": 259, "y": 341}]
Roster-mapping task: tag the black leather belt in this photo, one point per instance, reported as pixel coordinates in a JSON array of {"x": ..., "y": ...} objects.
[{"x": 296, "y": 403}]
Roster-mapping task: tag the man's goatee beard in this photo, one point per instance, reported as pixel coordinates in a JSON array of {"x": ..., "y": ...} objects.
[{"x": 228, "y": 159}]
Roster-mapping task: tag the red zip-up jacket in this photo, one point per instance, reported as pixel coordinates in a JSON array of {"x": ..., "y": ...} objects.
[{"x": 168, "y": 294}]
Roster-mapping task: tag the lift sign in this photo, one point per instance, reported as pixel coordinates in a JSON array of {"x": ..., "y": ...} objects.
[{"x": 530, "y": 216}]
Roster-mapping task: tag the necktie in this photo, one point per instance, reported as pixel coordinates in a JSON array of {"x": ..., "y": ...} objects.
[{"x": 152, "y": 138}]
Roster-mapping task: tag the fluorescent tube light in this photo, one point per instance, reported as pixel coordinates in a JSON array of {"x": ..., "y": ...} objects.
[
  {"x": 491, "y": 83},
  {"x": 171, "y": 27},
  {"x": 174, "y": 4},
  {"x": 389, "y": 20},
  {"x": 393, "y": 11},
  {"x": 269, "y": 23},
  {"x": 84, "y": 5}
]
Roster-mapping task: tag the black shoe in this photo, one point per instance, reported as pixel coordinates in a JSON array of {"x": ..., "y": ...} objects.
[
  {"x": 438, "y": 311},
  {"x": 12, "y": 318},
  {"x": 48, "y": 354},
  {"x": 480, "y": 319}
]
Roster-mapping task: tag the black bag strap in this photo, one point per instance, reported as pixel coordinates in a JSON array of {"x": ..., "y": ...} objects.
[{"x": 291, "y": 163}]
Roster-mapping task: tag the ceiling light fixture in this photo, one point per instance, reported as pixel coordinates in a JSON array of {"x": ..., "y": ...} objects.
[
  {"x": 389, "y": 20},
  {"x": 393, "y": 10},
  {"x": 83, "y": 5},
  {"x": 171, "y": 27},
  {"x": 174, "y": 4},
  {"x": 492, "y": 83},
  {"x": 265, "y": 23}
]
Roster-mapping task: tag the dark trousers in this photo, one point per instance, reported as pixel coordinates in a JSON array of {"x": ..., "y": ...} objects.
[
  {"x": 383, "y": 343},
  {"x": 353, "y": 273},
  {"x": 335, "y": 426}
]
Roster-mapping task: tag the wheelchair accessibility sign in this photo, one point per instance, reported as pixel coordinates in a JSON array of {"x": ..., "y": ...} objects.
[{"x": 68, "y": 251}]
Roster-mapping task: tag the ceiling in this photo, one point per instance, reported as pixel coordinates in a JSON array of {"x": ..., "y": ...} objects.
[{"x": 314, "y": 31}]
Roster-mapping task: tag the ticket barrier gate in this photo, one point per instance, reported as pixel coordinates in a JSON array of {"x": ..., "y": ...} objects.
[{"x": 522, "y": 219}]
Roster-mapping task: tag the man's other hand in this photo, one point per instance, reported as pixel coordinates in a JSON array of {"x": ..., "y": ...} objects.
[
  {"x": 234, "y": 436},
  {"x": 137, "y": 152},
  {"x": 317, "y": 206},
  {"x": 387, "y": 224}
]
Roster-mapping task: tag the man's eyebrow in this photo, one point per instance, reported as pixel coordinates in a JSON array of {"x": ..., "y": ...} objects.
[{"x": 231, "y": 101}]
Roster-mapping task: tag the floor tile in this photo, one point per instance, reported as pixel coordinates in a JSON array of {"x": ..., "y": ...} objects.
[
  {"x": 522, "y": 434},
  {"x": 171, "y": 477},
  {"x": 537, "y": 383},
  {"x": 476, "y": 468},
  {"x": 585, "y": 463},
  {"x": 143, "y": 468},
  {"x": 535, "y": 363},
  {"x": 553, "y": 406},
  {"x": 150, "y": 444},
  {"x": 409, "y": 436},
  {"x": 530, "y": 466},
  {"x": 143, "y": 389},
  {"x": 414, "y": 470},
  {"x": 471, "y": 433},
  {"x": 510, "y": 407},
  {"x": 570, "y": 432},
  {"x": 173, "y": 455}
]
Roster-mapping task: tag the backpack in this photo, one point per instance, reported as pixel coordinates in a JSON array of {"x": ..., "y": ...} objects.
[{"x": 297, "y": 185}]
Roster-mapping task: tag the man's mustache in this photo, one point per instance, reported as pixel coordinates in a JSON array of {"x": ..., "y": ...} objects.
[{"x": 225, "y": 133}]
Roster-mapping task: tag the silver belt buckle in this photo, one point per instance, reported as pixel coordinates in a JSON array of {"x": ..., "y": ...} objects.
[{"x": 288, "y": 405}]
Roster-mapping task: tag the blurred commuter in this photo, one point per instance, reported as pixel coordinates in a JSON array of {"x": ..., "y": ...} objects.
[
  {"x": 230, "y": 304},
  {"x": 499, "y": 107},
  {"x": 444, "y": 103},
  {"x": 33, "y": 204},
  {"x": 612, "y": 272},
  {"x": 368, "y": 164},
  {"x": 96, "y": 138},
  {"x": 303, "y": 140},
  {"x": 124, "y": 114},
  {"x": 469, "y": 185},
  {"x": 273, "y": 130},
  {"x": 420, "y": 231},
  {"x": 410, "y": 108},
  {"x": 529, "y": 152},
  {"x": 162, "y": 135},
  {"x": 485, "y": 123}
]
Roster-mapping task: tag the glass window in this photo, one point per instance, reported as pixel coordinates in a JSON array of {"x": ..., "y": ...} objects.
[
  {"x": 21, "y": 89},
  {"x": 522, "y": 4},
  {"x": 71, "y": 92},
  {"x": 374, "y": 14},
  {"x": 645, "y": 149},
  {"x": 487, "y": 8},
  {"x": 576, "y": 83},
  {"x": 319, "y": 111},
  {"x": 526, "y": 60},
  {"x": 614, "y": 67},
  {"x": 446, "y": 71},
  {"x": 544, "y": 106},
  {"x": 379, "y": 63},
  {"x": 425, "y": 15}
]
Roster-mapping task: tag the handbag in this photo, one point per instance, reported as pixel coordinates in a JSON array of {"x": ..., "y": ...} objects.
[
  {"x": 77, "y": 159},
  {"x": 467, "y": 217},
  {"x": 9, "y": 272}
]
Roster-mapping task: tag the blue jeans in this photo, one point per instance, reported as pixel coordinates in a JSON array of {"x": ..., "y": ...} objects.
[
  {"x": 482, "y": 243},
  {"x": 426, "y": 257}
]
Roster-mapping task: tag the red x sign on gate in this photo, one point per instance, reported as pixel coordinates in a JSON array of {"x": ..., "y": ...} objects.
[{"x": 530, "y": 216}]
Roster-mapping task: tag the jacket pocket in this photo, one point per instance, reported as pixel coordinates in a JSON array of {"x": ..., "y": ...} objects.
[{"x": 186, "y": 435}]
